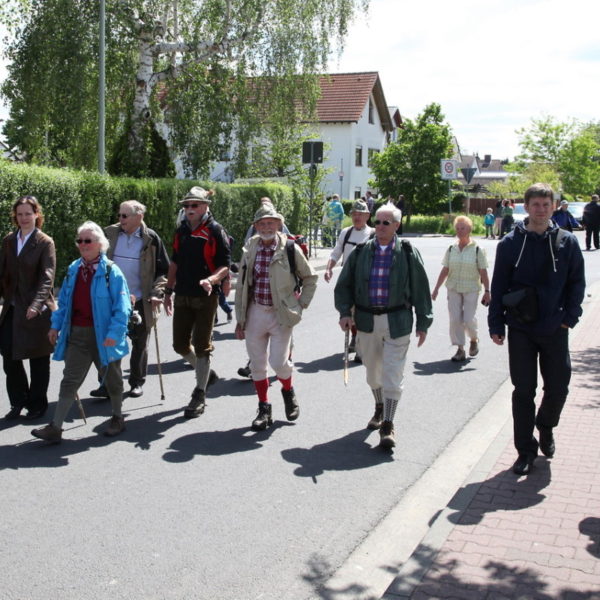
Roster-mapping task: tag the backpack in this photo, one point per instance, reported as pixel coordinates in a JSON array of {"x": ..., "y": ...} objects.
[
  {"x": 301, "y": 241},
  {"x": 291, "y": 256}
]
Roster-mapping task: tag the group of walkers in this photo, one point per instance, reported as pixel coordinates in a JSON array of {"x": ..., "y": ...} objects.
[{"x": 124, "y": 276}]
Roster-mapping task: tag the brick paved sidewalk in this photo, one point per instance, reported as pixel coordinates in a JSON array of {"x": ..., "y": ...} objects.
[{"x": 528, "y": 538}]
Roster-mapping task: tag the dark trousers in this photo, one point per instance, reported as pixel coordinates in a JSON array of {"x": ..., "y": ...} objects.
[
  {"x": 193, "y": 319},
  {"x": 524, "y": 352},
  {"x": 32, "y": 394},
  {"x": 223, "y": 302},
  {"x": 138, "y": 360},
  {"x": 592, "y": 233}
]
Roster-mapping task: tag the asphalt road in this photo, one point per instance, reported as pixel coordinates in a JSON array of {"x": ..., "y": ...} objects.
[{"x": 208, "y": 509}]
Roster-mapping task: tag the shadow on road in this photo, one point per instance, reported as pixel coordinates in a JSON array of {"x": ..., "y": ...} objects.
[
  {"x": 438, "y": 367},
  {"x": 170, "y": 366},
  {"x": 335, "y": 362},
  {"x": 344, "y": 454},
  {"x": 35, "y": 453},
  {"x": 218, "y": 443},
  {"x": 590, "y": 526}
]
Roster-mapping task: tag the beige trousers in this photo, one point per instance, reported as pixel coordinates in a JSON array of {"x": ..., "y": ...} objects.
[{"x": 462, "y": 309}]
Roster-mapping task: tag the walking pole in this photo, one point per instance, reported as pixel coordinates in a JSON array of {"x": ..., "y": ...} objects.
[
  {"x": 160, "y": 379},
  {"x": 346, "y": 345},
  {"x": 80, "y": 406}
]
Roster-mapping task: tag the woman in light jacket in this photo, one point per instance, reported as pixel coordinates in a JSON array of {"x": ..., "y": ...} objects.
[
  {"x": 90, "y": 326},
  {"x": 27, "y": 264}
]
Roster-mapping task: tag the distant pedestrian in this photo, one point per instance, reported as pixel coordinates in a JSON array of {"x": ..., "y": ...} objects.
[
  {"x": 537, "y": 290},
  {"x": 464, "y": 268},
  {"x": 591, "y": 222},
  {"x": 507, "y": 217},
  {"x": 370, "y": 200},
  {"x": 563, "y": 218},
  {"x": 489, "y": 221},
  {"x": 498, "y": 219}
]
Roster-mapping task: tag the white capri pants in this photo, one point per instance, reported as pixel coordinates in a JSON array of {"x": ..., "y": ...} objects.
[
  {"x": 384, "y": 357},
  {"x": 263, "y": 333},
  {"x": 462, "y": 309}
]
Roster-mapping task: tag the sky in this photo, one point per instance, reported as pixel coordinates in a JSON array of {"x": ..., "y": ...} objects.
[{"x": 491, "y": 66}]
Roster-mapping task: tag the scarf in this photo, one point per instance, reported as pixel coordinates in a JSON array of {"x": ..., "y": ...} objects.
[{"x": 88, "y": 268}]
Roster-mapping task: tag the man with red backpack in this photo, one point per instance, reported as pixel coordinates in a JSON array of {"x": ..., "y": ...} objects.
[{"x": 199, "y": 265}]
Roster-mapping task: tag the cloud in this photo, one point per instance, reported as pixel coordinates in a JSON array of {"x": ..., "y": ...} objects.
[{"x": 492, "y": 67}]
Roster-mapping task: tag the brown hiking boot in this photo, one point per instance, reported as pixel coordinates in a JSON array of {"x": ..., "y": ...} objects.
[
  {"x": 386, "y": 434},
  {"x": 115, "y": 426},
  {"x": 474, "y": 348},
  {"x": 49, "y": 433},
  {"x": 460, "y": 356},
  {"x": 197, "y": 404},
  {"x": 377, "y": 418}
]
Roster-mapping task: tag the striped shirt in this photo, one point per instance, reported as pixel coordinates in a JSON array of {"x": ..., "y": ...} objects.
[
  {"x": 262, "y": 287},
  {"x": 379, "y": 280}
]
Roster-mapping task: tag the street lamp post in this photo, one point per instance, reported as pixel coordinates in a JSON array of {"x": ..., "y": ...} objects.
[{"x": 101, "y": 86}]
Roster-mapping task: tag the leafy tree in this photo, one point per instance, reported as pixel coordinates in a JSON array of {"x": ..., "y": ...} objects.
[
  {"x": 579, "y": 165},
  {"x": 411, "y": 165},
  {"x": 543, "y": 141},
  {"x": 176, "y": 75}
]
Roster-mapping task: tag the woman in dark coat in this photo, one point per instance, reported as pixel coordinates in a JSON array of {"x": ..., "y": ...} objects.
[{"x": 27, "y": 266}]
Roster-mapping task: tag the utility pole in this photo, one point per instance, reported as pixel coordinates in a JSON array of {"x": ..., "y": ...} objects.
[{"x": 101, "y": 88}]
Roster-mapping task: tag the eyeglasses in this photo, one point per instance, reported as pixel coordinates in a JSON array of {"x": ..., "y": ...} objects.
[
  {"x": 193, "y": 205},
  {"x": 123, "y": 216},
  {"x": 378, "y": 222},
  {"x": 80, "y": 241}
]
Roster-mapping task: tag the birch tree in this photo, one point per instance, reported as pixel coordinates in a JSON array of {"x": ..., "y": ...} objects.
[{"x": 177, "y": 73}]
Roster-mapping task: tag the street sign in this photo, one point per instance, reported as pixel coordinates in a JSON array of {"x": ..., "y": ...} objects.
[
  {"x": 312, "y": 152},
  {"x": 449, "y": 168}
]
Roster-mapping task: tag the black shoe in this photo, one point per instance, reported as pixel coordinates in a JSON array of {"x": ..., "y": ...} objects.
[
  {"x": 292, "y": 410},
  {"x": 377, "y": 418},
  {"x": 13, "y": 413},
  {"x": 212, "y": 379},
  {"x": 547, "y": 445},
  {"x": 523, "y": 464},
  {"x": 245, "y": 371},
  {"x": 196, "y": 406},
  {"x": 101, "y": 392},
  {"x": 35, "y": 414},
  {"x": 263, "y": 417},
  {"x": 136, "y": 391},
  {"x": 386, "y": 435}
]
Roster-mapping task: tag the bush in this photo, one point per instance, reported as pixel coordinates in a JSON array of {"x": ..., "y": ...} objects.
[
  {"x": 442, "y": 224},
  {"x": 71, "y": 197}
]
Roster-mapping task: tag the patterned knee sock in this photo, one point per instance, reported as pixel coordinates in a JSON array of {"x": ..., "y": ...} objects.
[
  {"x": 389, "y": 409},
  {"x": 378, "y": 395},
  {"x": 191, "y": 358}
]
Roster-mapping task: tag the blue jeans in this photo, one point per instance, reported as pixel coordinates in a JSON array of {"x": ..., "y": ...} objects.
[{"x": 524, "y": 352}]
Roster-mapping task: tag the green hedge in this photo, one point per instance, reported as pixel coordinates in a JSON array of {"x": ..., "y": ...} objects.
[{"x": 69, "y": 198}]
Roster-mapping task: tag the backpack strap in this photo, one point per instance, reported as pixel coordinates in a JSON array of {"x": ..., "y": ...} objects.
[
  {"x": 347, "y": 239},
  {"x": 291, "y": 256}
]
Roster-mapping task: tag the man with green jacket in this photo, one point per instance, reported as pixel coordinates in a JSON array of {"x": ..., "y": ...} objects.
[{"x": 380, "y": 285}]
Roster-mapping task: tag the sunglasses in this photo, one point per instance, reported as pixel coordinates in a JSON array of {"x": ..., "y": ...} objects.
[
  {"x": 80, "y": 241},
  {"x": 378, "y": 222},
  {"x": 193, "y": 205},
  {"x": 123, "y": 216}
]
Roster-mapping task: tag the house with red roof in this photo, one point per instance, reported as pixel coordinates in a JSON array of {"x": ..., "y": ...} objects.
[{"x": 354, "y": 122}]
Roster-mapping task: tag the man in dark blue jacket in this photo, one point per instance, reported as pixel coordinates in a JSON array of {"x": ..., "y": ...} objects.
[{"x": 537, "y": 290}]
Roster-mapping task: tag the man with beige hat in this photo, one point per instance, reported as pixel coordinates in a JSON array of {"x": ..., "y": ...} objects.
[
  {"x": 268, "y": 303},
  {"x": 199, "y": 264}
]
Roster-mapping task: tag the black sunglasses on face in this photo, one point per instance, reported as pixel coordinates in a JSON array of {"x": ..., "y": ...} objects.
[
  {"x": 123, "y": 216},
  {"x": 80, "y": 241},
  {"x": 193, "y": 205},
  {"x": 378, "y": 222}
]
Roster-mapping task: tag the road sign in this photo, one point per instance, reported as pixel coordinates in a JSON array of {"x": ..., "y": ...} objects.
[{"x": 449, "y": 168}]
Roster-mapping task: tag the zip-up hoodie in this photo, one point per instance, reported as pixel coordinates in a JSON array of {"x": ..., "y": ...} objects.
[{"x": 550, "y": 262}]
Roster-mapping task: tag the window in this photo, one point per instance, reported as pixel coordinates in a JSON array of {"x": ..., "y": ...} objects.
[
  {"x": 370, "y": 154},
  {"x": 358, "y": 156},
  {"x": 371, "y": 111},
  {"x": 357, "y": 193}
]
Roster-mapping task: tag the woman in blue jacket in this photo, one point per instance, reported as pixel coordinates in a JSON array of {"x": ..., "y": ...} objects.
[{"x": 90, "y": 326}]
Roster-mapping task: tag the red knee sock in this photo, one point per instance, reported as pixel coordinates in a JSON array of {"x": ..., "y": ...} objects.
[
  {"x": 262, "y": 387},
  {"x": 286, "y": 384}
]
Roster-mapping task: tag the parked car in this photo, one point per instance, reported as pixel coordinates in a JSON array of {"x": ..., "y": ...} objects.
[
  {"x": 576, "y": 209},
  {"x": 519, "y": 213}
]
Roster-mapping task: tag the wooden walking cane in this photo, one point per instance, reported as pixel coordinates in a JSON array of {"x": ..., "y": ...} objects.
[
  {"x": 346, "y": 345},
  {"x": 80, "y": 406},
  {"x": 160, "y": 379}
]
